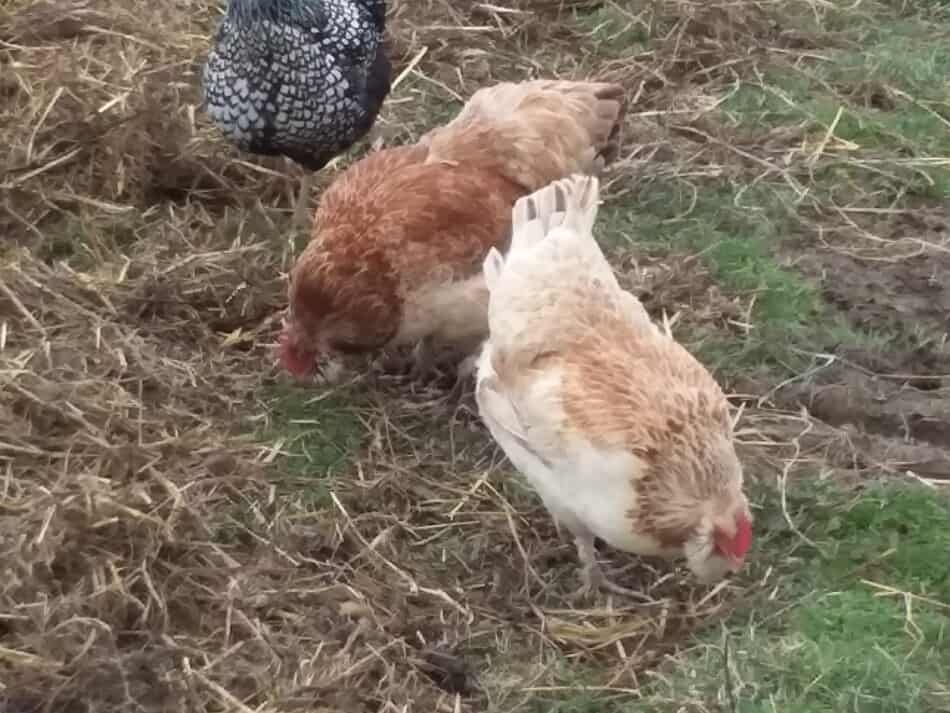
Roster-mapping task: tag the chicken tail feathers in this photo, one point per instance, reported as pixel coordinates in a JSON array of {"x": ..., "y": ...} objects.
[
  {"x": 535, "y": 132},
  {"x": 492, "y": 268},
  {"x": 570, "y": 202},
  {"x": 581, "y": 196},
  {"x": 554, "y": 267}
]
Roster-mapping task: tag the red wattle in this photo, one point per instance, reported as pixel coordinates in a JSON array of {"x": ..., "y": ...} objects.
[
  {"x": 298, "y": 363},
  {"x": 743, "y": 539}
]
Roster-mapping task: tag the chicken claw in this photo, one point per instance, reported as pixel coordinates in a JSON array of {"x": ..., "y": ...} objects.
[
  {"x": 592, "y": 575},
  {"x": 300, "y": 223},
  {"x": 419, "y": 365},
  {"x": 423, "y": 360},
  {"x": 464, "y": 371}
]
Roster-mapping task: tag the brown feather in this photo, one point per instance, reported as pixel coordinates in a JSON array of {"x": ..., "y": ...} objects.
[
  {"x": 648, "y": 395},
  {"x": 403, "y": 223}
]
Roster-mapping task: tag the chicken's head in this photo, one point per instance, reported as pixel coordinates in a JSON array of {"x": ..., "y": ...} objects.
[
  {"x": 298, "y": 348},
  {"x": 300, "y": 343},
  {"x": 720, "y": 545},
  {"x": 332, "y": 313}
]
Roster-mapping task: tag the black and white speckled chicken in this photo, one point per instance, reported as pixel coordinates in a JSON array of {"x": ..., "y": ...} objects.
[{"x": 303, "y": 79}]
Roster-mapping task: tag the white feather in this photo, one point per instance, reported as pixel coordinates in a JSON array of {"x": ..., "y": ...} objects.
[{"x": 583, "y": 486}]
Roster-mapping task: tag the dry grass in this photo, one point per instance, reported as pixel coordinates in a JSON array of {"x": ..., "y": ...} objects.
[{"x": 158, "y": 555}]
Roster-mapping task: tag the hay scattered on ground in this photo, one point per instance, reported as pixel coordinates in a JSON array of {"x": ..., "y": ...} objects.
[{"x": 156, "y": 558}]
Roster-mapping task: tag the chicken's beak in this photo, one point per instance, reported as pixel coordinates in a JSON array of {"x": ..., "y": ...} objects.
[{"x": 735, "y": 563}]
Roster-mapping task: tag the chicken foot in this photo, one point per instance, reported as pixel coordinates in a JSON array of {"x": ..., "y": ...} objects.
[
  {"x": 592, "y": 575},
  {"x": 423, "y": 360},
  {"x": 301, "y": 217},
  {"x": 463, "y": 374},
  {"x": 419, "y": 365},
  {"x": 424, "y": 364}
]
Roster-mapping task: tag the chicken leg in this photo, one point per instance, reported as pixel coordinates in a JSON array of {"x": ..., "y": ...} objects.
[
  {"x": 592, "y": 575},
  {"x": 423, "y": 359},
  {"x": 418, "y": 365},
  {"x": 463, "y": 373},
  {"x": 302, "y": 206}
]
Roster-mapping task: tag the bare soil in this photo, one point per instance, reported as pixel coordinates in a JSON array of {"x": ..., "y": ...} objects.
[
  {"x": 892, "y": 277},
  {"x": 890, "y": 281}
]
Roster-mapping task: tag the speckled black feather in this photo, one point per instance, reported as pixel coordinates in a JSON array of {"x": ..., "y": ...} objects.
[{"x": 298, "y": 78}]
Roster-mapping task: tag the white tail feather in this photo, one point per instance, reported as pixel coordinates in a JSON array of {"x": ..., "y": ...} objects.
[
  {"x": 570, "y": 202},
  {"x": 492, "y": 267},
  {"x": 526, "y": 229},
  {"x": 581, "y": 196}
]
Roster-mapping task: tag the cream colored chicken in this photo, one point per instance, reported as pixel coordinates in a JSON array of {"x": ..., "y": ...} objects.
[{"x": 624, "y": 435}]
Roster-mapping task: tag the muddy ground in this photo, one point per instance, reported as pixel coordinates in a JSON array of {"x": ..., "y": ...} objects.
[{"x": 893, "y": 398}]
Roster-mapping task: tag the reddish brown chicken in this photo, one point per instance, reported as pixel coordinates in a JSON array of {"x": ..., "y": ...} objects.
[
  {"x": 400, "y": 237},
  {"x": 622, "y": 432}
]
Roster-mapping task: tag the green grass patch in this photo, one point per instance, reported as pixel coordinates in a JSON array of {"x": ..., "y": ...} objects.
[
  {"x": 737, "y": 233},
  {"x": 321, "y": 434},
  {"x": 889, "y": 100},
  {"x": 612, "y": 31},
  {"x": 828, "y": 637},
  {"x": 858, "y": 622},
  {"x": 885, "y": 93},
  {"x": 735, "y": 239}
]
